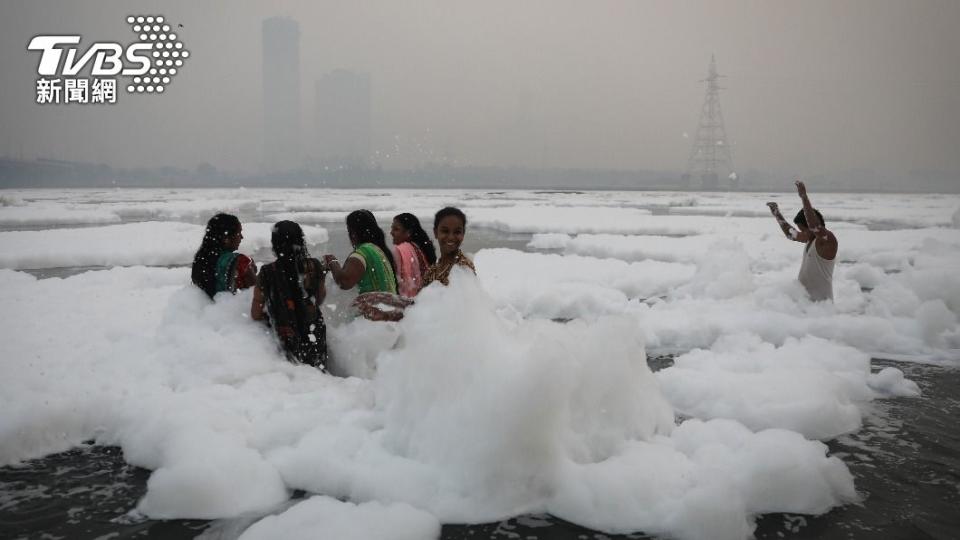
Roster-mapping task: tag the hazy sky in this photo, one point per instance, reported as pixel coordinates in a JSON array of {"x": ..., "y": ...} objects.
[{"x": 811, "y": 86}]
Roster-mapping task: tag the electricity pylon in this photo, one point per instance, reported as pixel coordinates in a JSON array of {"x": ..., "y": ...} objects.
[{"x": 710, "y": 155}]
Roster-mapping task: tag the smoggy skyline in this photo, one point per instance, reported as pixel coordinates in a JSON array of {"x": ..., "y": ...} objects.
[{"x": 810, "y": 87}]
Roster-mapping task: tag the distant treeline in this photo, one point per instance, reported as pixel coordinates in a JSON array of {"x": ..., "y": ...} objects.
[{"x": 51, "y": 173}]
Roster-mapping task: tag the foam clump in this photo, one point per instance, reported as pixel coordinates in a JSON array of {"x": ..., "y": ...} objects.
[
  {"x": 579, "y": 389},
  {"x": 324, "y": 518},
  {"x": 867, "y": 276},
  {"x": 355, "y": 344},
  {"x": 706, "y": 480},
  {"x": 147, "y": 243},
  {"x": 936, "y": 320},
  {"x": 549, "y": 241},
  {"x": 809, "y": 385},
  {"x": 211, "y": 476},
  {"x": 890, "y": 381},
  {"x": 560, "y": 219},
  {"x": 480, "y": 417},
  {"x": 15, "y": 212},
  {"x": 572, "y": 286},
  {"x": 722, "y": 273},
  {"x": 10, "y": 200}
]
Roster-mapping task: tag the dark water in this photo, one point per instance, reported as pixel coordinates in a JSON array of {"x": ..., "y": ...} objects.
[{"x": 906, "y": 460}]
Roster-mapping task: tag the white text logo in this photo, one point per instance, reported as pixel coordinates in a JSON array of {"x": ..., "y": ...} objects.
[{"x": 150, "y": 63}]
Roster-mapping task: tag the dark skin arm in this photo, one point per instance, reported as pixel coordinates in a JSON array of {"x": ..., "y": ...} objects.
[
  {"x": 374, "y": 314},
  {"x": 346, "y": 276},
  {"x": 367, "y": 304},
  {"x": 788, "y": 230},
  {"x": 826, "y": 243},
  {"x": 256, "y": 307}
]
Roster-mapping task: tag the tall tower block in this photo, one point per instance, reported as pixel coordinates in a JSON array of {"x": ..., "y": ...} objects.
[
  {"x": 710, "y": 156},
  {"x": 281, "y": 95}
]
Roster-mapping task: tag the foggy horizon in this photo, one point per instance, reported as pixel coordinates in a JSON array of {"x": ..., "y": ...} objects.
[{"x": 810, "y": 88}]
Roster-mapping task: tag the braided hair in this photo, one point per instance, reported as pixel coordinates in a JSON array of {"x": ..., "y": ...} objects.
[
  {"x": 363, "y": 228},
  {"x": 291, "y": 251},
  {"x": 204, "y": 271},
  {"x": 417, "y": 235}
]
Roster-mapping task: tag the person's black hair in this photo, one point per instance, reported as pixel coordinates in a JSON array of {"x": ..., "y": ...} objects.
[
  {"x": 417, "y": 235},
  {"x": 204, "y": 271},
  {"x": 449, "y": 211},
  {"x": 363, "y": 228},
  {"x": 286, "y": 239},
  {"x": 801, "y": 218}
]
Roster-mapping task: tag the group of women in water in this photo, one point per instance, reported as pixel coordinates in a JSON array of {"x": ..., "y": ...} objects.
[{"x": 288, "y": 292}]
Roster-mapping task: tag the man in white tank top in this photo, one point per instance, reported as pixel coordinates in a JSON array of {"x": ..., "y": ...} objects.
[{"x": 816, "y": 270}]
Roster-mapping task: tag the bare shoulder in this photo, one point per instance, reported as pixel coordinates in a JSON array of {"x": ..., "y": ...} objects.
[
  {"x": 826, "y": 235},
  {"x": 826, "y": 243}
]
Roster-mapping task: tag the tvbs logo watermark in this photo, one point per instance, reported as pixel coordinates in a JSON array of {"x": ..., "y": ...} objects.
[{"x": 148, "y": 64}]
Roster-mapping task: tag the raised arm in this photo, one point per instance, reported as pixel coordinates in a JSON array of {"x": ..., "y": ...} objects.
[
  {"x": 813, "y": 222},
  {"x": 826, "y": 242},
  {"x": 788, "y": 230}
]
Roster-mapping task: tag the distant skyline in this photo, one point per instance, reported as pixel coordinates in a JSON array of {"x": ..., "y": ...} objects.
[{"x": 811, "y": 87}]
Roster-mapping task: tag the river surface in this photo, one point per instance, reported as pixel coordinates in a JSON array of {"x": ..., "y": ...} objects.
[{"x": 906, "y": 461}]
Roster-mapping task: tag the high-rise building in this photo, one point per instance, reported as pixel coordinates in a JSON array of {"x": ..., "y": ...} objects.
[
  {"x": 343, "y": 119},
  {"x": 281, "y": 95}
]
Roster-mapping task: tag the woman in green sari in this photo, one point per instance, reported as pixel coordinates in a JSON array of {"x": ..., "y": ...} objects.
[{"x": 370, "y": 268}]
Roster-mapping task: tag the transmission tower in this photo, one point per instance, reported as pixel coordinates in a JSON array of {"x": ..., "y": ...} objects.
[{"x": 710, "y": 155}]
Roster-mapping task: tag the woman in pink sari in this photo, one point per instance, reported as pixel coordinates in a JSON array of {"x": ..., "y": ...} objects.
[{"x": 413, "y": 252}]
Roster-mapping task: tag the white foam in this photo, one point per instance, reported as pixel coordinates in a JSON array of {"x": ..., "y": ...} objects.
[
  {"x": 324, "y": 518},
  {"x": 810, "y": 386},
  {"x": 477, "y": 407},
  {"x": 704, "y": 482},
  {"x": 555, "y": 286},
  {"x": 889, "y": 210},
  {"x": 22, "y": 215},
  {"x": 549, "y": 241},
  {"x": 766, "y": 247},
  {"x": 147, "y": 243},
  {"x": 472, "y": 415},
  {"x": 740, "y": 286}
]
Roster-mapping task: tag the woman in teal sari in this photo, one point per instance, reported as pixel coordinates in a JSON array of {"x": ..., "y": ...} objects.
[{"x": 217, "y": 266}]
